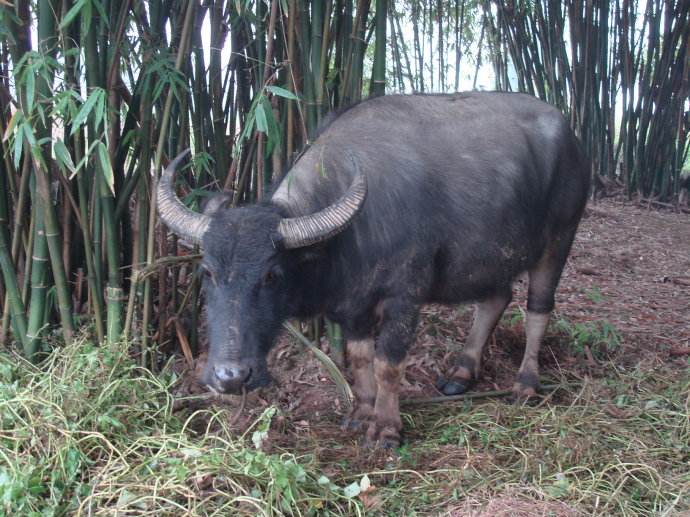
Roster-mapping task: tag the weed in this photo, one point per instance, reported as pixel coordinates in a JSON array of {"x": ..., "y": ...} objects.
[
  {"x": 594, "y": 295},
  {"x": 514, "y": 317},
  {"x": 601, "y": 337}
]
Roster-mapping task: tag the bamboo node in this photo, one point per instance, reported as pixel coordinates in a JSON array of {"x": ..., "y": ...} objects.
[{"x": 114, "y": 293}]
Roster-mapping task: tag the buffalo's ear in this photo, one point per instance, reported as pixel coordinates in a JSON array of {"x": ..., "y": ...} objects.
[
  {"x": 216, "y": 202},
  {"x": 305, "y": 254},
  {"x": 310, "y": 253}
]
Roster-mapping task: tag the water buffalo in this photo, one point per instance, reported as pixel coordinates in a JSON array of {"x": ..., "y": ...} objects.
[{"x": 402, "y": 200}]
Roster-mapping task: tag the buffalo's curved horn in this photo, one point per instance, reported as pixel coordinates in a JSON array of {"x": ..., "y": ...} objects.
[
  {"x": 180, "y": 219},
  {"x": 324, "y": 224}
]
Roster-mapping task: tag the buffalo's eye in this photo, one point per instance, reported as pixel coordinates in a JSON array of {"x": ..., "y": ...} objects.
[{"x": 271, "y": 276}]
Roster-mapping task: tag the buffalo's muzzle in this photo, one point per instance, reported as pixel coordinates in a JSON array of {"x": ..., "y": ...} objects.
[{"x": 229, "y": 378}]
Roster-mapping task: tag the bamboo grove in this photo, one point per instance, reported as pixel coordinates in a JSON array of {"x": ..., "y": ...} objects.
[{"x": 97, "y": 95}]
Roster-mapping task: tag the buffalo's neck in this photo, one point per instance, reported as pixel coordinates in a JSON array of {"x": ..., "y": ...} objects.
[
  {"x": 311, "y": 288},
  {"x": 334, "y": 286}
]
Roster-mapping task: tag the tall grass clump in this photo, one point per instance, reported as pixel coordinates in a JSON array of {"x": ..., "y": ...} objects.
[{"x": 95, "y": 434}]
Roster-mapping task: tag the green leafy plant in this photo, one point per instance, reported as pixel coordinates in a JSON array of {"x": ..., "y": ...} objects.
[
  {"x": 600, "y": 336},
  {"x": 594, "y": 294}
]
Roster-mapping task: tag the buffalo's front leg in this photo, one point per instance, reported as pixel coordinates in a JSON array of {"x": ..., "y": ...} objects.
[
  {"x": 360, "y": 356},
  {"x": 384, "y": 430},
  {"x": 397, "y": 331}
]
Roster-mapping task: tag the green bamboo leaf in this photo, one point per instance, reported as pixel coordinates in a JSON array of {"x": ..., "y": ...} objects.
[
  {"x": 246, "y": 131},
  {"x": 86, "y": 157},
  {"x": 18, "y": 145},
  {"x": 336, "y": 375},
  {"x": 261, "y": 115},
  {"x": 29, "y": 134},
  {"x": 19, "y": 67},
  {"x": 86, "y": 109},
  {"x": 30, "y": 90},
  {"x": 100, "y": 111},
  {"x": 72, "y": 13},
  {"x": 248, "y": 126},
  {"x": 273, "y": 129},
  {"x": 41, "y": 113},
  {"x": 37, "y": 155},
  {"x": 64, "y": 159},
  {"x": 16, "y": 117},
  {"x": 282, "y": 92},
  {"x": 86, "y": 15},
  {"x": 106, "y": 167}
]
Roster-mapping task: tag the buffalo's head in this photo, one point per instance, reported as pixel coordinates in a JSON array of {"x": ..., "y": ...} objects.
[{"x": 250, "y": 258}]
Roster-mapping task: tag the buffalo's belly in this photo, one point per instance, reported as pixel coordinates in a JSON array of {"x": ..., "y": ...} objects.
[
  {"x": 465, "y": 277},
  {"x": 450, "y": 275}
]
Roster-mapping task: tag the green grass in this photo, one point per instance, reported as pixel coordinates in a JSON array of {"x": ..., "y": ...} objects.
[{"x": 90, "y": 433}]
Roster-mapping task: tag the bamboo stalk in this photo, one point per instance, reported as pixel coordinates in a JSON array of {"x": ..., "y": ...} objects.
[
  {"x": 17, "y": 233},
  {"x": 163, "y": 128},
  {"x": 39, "y": 272},
  {"x": 378, "y": 78},
  {"x": 52, "y": 236},
  {"x": 314, "y": 75},
  {"x": 113, "y": 290},
  {"x": 46, "y": 38},
  {"x": 290, "y": 139},
  {"x": 323, "y": 65},
  {"x": 13, "y": 298}
]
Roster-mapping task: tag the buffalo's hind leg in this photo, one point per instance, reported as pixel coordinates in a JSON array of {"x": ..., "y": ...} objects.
[
  {"x": 543, "y": 280},
  {"x": 360, "y": 355},
  {"x": 467, "y": 367},
  {"x": 527, "y": 381}
]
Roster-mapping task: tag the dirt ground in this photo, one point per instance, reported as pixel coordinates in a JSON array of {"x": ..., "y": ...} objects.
[{"x": 629, "y": 271}]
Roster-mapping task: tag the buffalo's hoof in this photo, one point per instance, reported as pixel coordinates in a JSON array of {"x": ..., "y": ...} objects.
[
  {"x": 526, "y": 387},
  {"x": 525, "y": 394},
  {"x": 352, "y": 424},
  {"x": 454, "y": 386},
  {"x": 360, "y": 416},
  {"x": 382, "y": 437},
  {"x": 383, "y": 444}
]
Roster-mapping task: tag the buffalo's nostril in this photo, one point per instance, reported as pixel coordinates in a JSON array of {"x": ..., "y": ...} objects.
[
  {"x": 229, "y": 373},
  {"x": 231, "y": 378}
]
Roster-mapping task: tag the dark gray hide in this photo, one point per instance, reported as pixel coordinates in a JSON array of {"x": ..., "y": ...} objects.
[{"x": 463, "y": 193}]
